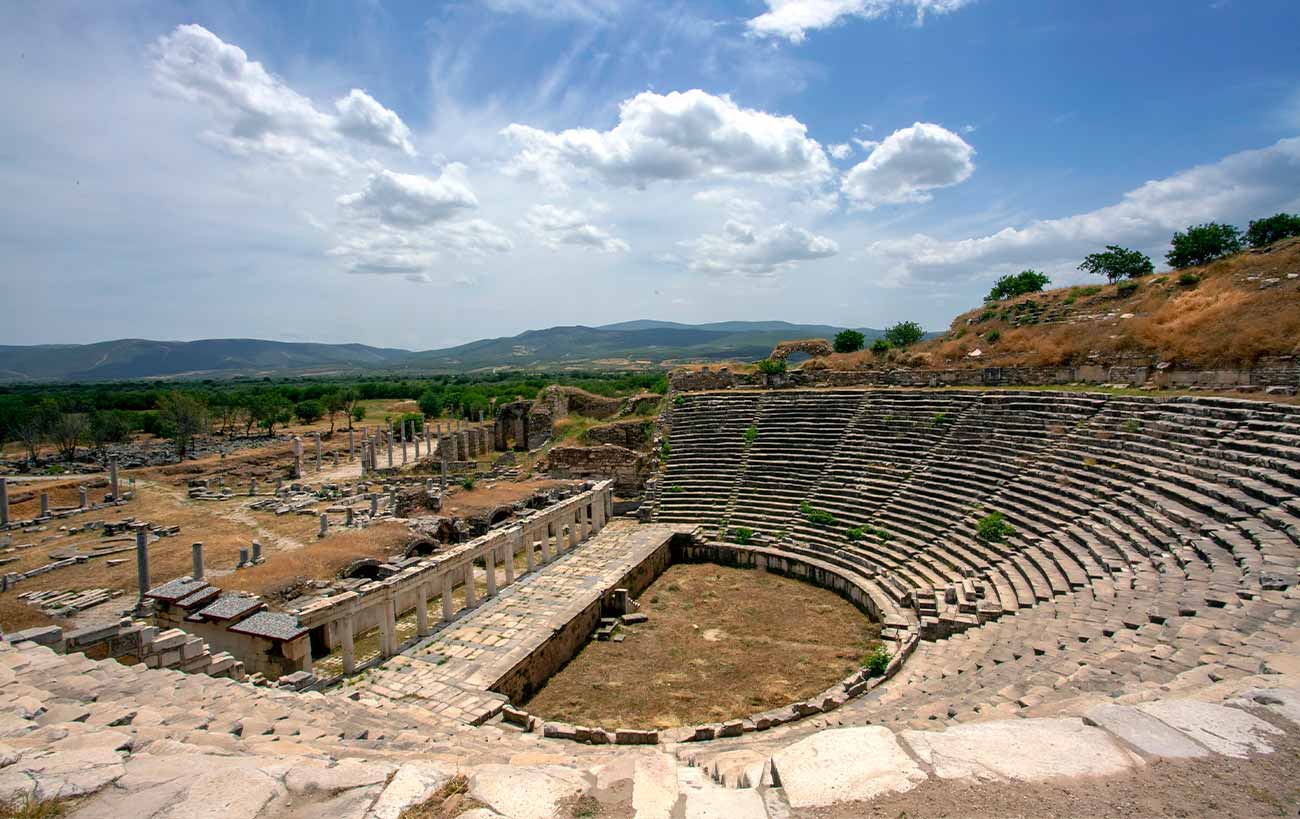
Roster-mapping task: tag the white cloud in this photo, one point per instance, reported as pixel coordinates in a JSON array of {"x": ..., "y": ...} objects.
[
  {"x": 416, "y": 254},
  {"x": 746, "y": 250},
  {"x": 555, "y": 226},
  {"x": 361, "y": 117},
  {"x": 677, "y": 136},
  {"x": 792, "y": 19},
  {"x": 410, "y": 200},
  {"x": 587, "y": 11},
  {"x": 907, "y": 165},
  {"x": 1239, "y": 187},
  {"x": 258, "y": 115},
  {"x": 867, "y": 145},
  {"x": 841, "y": 151},
  {"x": 731, "y": 200}
]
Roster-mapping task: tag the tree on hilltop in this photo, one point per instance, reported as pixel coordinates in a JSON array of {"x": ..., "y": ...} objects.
[
  {"x": 1118, "y": 263},
  {"x": 904, "y": 334},
  {"x": 1200, "y": 244},
  {"x": 1010, "y": 286},
  {"x": 1264, "y": 232},
  {"x": 849, "y": 341}
]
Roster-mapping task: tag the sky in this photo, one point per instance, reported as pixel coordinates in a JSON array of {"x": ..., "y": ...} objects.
[{"x": 422, "y": 174}]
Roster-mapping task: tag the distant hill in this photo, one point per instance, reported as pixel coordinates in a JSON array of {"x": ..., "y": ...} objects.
[
  {"x": 137, "y": 358},
  {"x": 627, "y": 345}
]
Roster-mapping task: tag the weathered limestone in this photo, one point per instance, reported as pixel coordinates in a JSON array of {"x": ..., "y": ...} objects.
[
  {"x": 1226, "y": 731},
  {"x": 1144, "y": 732},
  {"x": 82, "y": 500},
  {"x": 1022, "y": 749},
  {"x": 196, "y": 560},
  {"x": 142, "y": 560},
  {"x": 112, "y": 478},
  {"x": 843, "y": 765},
  {"x": 297, "y": 458},
  {"x": 45, "y": 504}
]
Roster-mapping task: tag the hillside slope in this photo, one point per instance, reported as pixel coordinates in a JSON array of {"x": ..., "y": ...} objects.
[{"x": 1229, "y": 313}]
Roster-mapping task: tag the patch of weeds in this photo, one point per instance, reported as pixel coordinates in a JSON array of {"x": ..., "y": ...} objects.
[
  {"x": 876, "y": 661},
  {"x": 742, "y": 535},
  {"x": 751, "y": 435},
  {"x": 586, "y": 806},
  {"x": 664, "y": 449},
  {"x": 1132, "y": 425},
  {"x": 1189, "y": 279},
  {"x": 1090, "y": 290},
  {"x": 1126, "y": 288},
  {"x": 856, "y": 533},
  {"x": 467, "y": 483},
  {"x": 882, "y": 534},
  {"x": 677, "y": 487},
  {"x": 993, "y": 336},
  {"x": 817, "y": 517},
  {"x": 673, "y": 587},
  {"x": 679, "y": 400},
  {"x": 940, "y": 418},
  {"x": 27, "y": 807},
  {"x": 993, "y": 528}
]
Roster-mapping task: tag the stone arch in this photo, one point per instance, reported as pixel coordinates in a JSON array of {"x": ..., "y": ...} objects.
[{"x": 366, "y": 567}]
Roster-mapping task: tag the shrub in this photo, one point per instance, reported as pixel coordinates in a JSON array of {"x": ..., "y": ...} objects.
[
  {"x": 849, "y": 341},
  {"x": 770, "y": 366},
  {"x": 856, "y": 533},
  {"x": 467, "y": 483},
  {"x": 882, "y": 534},
  {"x": 664, "y": 449},
  {"x": 904, "y": 334},
  {"x": 1132, "y": 425},
  {"x": 993, "y": 336},
  {"x": 679, "y": 400},
  {"x": 1090, "y": 290},
  {"x": 881, "y": 346},
  {"x": 1264, "y": 232},
  {"x": 742, "y": 535},
  {"x": 993, "y": 528},
  {"x": 1117, "y": 263},
  {"x": 1010, "y": 286},
  {"x": 940, "y": 418},
  {"x": 677, "y": 487},
  {"x": 1200, "y": 244},
  {"x": 750, "y": 435},
  {"x": 876, "y": 661},
  {"x": 1189, "y": 279},
  {"x": 820, "y": 517},
  {"x": 1126, "y": 289},
  {"x": 431, "y": 403}
]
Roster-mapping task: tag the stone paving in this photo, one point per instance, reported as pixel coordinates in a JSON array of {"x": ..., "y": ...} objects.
[{"x": 452, "y": 672}]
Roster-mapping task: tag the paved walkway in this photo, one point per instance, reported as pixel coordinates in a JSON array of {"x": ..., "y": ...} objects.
[{"x": 453, "y": 671}]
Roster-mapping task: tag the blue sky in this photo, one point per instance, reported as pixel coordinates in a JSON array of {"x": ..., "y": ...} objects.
[{"x": 423, "y": 174}]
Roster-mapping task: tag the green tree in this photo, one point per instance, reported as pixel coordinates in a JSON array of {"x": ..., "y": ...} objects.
[
  {"x": 1264, "y": 232},
  {"x": 358, "y": 413},
  {"x": 109, "y": 427},
  {"x": 1010, "y": 286},
  {"x": 1117, "y": 263},
  {"x": 1200, "y": 244},
  {"x": 849, "y": 341},
  {"x": 309, "y": 412},
  {"x": 881, "y": 346},
  {"x": 333, "y": 403},
  {"x": 431, "y": 403},
  {"x": 271, "y": 409},
  {"x": 184, "y": 417},
  {"x": 904, "y": 334},
  {"x": 68, "y": 430},
  {"x": 351, "y": 400}
]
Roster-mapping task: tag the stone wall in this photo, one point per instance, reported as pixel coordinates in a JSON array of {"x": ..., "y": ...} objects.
[
  {"x": 630, "y": 434},
  {"x": 1273, "y": 371},
  {"x": 815, "y": 347},
  {"x": 628, "y": 469}
]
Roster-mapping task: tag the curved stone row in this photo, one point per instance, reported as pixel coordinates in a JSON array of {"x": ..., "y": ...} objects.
[{"x": 1155, "y": 539}]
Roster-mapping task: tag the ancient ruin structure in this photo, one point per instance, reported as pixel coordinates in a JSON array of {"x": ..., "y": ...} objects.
[
  {"x": 814, "y": 347},
  {"x": 1069, "y": 584}
]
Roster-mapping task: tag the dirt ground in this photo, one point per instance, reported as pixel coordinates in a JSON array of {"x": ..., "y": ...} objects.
[
  {"x": 721, "y": 643},
  {"x": 488, "y": 495},
  {"x": 1216, "y": 786}
]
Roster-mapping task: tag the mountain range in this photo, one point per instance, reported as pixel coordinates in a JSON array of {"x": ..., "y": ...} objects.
[{"x": 642, "y": 344}]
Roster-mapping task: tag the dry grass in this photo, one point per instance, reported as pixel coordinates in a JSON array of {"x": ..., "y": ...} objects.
[
  {"x": 449, "y": 801},
  {"x": 26, "y": 807},
  {"x": 485, "y": 497},
  {"x": 283, "y": 574},
  {"x": 720, "y": 643},
  {"x": 1222, "y": 321}
]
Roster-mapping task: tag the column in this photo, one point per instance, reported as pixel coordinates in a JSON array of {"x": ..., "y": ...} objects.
[
  {"x": 574, "y": 517},
  {"x": 4, "y": 502},
  {"x": 82, "y": 501},
  {"x": 318, "y": 452},
  {"x": 597, "y": 513},
  {"x": 469, "y": 585},
  {"x": 252, "y": 487},
  {"x": 553, "y": 543},
  {"x": 529, "y": 542},
  {"x": 297, "y": 458},
  {"x": 422, "y": 611},
  {"x": 351, "y": 445},
  {"x": 490, "y": 564},
  {"x": 324, "y": 524},
  {"x": 403, "y": 426},
  {"x": 142, "y": 560},
  {"x": 345, "y": 627},
  {"x": 196, "y": 558},
  {"x": 447, "y": 584},
  {"x": 416, "y": 438},
  {"x": 45, "y": 504},
  {"x": 112, "y": 477},
  {"x": 388, "y": 628},
  {"x": 510, "y": 555},
  {"x": 388, "y": 438}
]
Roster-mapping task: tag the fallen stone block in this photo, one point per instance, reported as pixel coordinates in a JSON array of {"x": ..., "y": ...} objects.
[
  {"x": 844, "y": 764},
  {"x": 1021, "y": 749},
  {"x": 1228, "y": 731}
]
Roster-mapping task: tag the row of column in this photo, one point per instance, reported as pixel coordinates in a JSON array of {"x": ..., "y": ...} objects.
[{"x": 559, "y": 535}]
